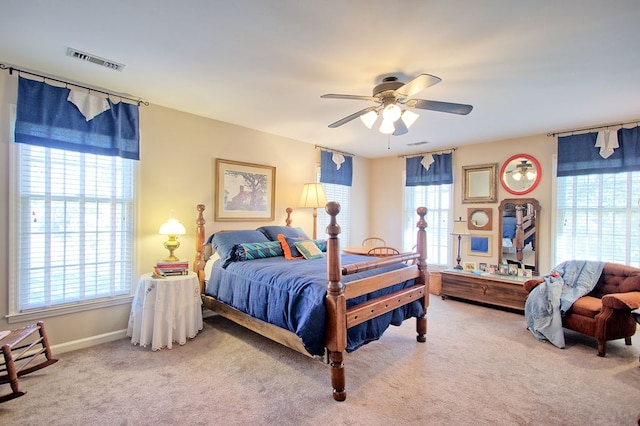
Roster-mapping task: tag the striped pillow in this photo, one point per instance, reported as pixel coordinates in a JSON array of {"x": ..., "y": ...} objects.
[{"x": 252, "y": 251}]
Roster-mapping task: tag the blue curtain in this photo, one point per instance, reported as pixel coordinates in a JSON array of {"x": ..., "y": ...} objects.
[
  {"x": 45, "y": 117},
  {"x": 340, "y": 173},
  {"x": 440, "y": 172},
  {"x": 577, "y": 154}
]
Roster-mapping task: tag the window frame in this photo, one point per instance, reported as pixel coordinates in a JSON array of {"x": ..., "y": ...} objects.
[{"x": 16, "y": 312}]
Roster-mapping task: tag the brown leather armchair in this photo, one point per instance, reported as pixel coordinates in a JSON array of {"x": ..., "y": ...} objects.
[{"x": 605, "y": 313}]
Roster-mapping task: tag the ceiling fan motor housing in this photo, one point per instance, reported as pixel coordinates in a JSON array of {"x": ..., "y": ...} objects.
[{"x": 389, "y": 84}]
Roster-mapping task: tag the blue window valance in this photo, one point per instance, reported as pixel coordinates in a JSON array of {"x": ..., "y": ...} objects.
[
  {"x": 439, "y": 172},
  {"x": 336, "y": 168},
  {"x": 47, "y": 116},
  {"x": 579, "y": 155}
]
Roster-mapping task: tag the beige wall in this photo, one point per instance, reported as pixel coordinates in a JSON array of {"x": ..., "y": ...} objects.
[
  {"x": 176, "y": 173},
  {"x": 386, "y": 200}
]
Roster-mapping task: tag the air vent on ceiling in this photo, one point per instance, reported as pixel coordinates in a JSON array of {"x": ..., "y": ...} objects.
[
  {"x": 74, "y": 53},
  {"x": 417, "y": 143}
]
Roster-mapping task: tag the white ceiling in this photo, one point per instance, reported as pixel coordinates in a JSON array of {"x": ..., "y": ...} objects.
[{"x": 527, "y": 67}]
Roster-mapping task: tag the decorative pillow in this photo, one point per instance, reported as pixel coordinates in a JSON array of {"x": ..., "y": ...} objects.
[
  {"x": 225, "y": 243},
  {"x": 288, "y": 247},
  {"x": 272, "y": 231},
  {"x": 309, "y": 249},
  {"x": 252, "y": 251},
  {"x": 322, "y": 244}
]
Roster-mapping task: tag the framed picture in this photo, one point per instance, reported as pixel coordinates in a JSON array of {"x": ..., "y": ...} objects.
[
  {"x": 482, "y": 266},
  {"x": 479, "y": 184},
  {"x": 503, "y": 269},
  {"x": 244, "y": 191},
  {"x": 524, "y": 273},
  {"x": 479, "y": 245},
  {"x": 469, "y": 266},
  {"x": 513, "y": 269},
  {"x": 479, "y": 218}
]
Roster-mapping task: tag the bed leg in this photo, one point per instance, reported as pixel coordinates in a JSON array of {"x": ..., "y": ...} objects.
[
  {"x": 421, "y": 329},
  {"x": 337, "y": 375}
]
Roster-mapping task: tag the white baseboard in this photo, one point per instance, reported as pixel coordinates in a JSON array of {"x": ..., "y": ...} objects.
[{"x": 88, "y": 341}]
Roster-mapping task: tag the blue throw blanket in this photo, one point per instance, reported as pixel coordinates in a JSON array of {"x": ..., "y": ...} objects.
[{"x": 548, "y": 302}]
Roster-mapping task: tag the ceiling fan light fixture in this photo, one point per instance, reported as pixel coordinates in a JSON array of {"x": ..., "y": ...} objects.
[
  {"x": 369, "y": 119},
  {"x": 517, "y": 175},
  {"x": 530, "y": 175},
  {"x": 409, "y": 117},
  {"x": 391, "y": 112},
  {"x": 387, "y": 126}
]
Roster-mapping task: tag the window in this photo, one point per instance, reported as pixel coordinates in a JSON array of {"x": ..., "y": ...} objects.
[
  {"x": 598, "y": 218},
  {"x": 340, "y": 194},
  {"x": 72, "y": 223},
  {"x": 437, "y": 200}
]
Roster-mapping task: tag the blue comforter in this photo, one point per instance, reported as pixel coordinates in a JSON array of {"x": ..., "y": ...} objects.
[{"x": 290, "y": 294}]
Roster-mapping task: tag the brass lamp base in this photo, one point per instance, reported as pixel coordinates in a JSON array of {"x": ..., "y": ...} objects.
[{"x": 171, "y": 244}]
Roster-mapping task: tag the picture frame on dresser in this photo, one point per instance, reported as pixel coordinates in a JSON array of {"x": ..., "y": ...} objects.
[{"x": 244, "y": 191}]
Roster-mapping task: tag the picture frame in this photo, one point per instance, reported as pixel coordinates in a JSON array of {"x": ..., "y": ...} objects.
[
  {"x": 469, "y": 266},
  {"x": 524, "y": 273},
  {"x": 513, "y": 270},
  {"x": 503, "y": 269},
  {"x": 479, "y": 183},
  {"x": 479, "y": 245},
  {"x": 244, "y": 191}
]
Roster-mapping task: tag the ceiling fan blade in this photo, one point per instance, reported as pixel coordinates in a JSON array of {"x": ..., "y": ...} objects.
[
  {"x": 416, "y": 85},
  {"x": 353, "y": 97},
  {"x": 351, "y": 117},
  {"x": 401, "y": 128},
  {"x": 452, "y": 108}
]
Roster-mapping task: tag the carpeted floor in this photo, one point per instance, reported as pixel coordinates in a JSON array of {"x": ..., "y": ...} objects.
[{"x": 480, "y": 366}]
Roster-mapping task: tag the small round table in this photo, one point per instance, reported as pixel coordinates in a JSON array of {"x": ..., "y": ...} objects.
[{"x": 165, "y": 310}]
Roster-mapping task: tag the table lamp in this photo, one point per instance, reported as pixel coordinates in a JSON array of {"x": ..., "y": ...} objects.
[
  {"x": 313, "y": 197},
  {"x": 172, "y": 228},
  {"x": 459, "y": 229}
]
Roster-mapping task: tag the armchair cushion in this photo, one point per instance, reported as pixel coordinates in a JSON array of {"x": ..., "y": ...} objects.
[
  {"x": 532, "y": 283},
  {"x": 587, "y": 306}
]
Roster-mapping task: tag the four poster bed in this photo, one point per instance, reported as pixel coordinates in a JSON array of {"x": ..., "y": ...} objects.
[{"x": 318, "y": 304}]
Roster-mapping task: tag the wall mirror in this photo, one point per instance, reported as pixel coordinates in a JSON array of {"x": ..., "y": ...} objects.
[
  {"x": 519, "y": 220},
  {"x": 479, "y": 219},
  {"x": 479, "y": 184},
  {"x": 520, "y": 174}
]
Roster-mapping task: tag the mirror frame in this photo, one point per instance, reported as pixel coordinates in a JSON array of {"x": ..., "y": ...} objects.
[
  {"x": 471, "y": 175},
  {"x": 536, "y": 208},
  {"x": 473, "y": 210},
  {"x": 535, "y": 183}
]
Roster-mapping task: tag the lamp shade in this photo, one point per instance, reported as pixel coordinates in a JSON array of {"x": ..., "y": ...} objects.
[
  {"x": 172, "y": 227},
  {"x": 312, "y": 196},
  {"x": 460, "y": 228}
]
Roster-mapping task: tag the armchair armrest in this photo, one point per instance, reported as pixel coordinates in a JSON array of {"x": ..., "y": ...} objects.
[
  {"x": 532, "y": 283},
  {"x": 630, "y": 300}
]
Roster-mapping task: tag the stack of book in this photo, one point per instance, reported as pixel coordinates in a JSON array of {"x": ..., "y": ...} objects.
[{"x": 167, "y": 268}]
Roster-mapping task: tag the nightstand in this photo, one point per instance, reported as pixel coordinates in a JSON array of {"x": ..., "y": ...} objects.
[{"x": 165, "y": 310}]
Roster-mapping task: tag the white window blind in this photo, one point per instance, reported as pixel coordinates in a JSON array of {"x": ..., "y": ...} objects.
[
  {"x": 437, "y": 200},
  {"x": 72, "y": 217},
  {"x": 340, "y": 194},
  {"x": 598, "y": 218}
]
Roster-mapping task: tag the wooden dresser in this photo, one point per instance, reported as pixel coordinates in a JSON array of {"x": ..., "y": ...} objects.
[{"x": 498, "y": 290}]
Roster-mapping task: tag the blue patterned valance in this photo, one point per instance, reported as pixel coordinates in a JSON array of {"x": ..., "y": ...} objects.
[
  {"x": 51, "y": 116},
  {"x": 336, "y": 168},
  {"x": 430, "y": 169},
  {"x": 599, "y": 152}
]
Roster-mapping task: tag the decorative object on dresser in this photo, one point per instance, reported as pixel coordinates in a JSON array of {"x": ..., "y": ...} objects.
[
  {"x": 313, "y": 197},
  {"x": 499, "y": 290},
  {"x": 318, "y": 321},
  {"x": 518, "y": 221},
  {"x": 459, "y": 229},
  {"x": 172, "y": 228},
  {"x": 479, "y": 184},
  {"x": 244, "y": 191},
  {"x": 520, "y": 174}
]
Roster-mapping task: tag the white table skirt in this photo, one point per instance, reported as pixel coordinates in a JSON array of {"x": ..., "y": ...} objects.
[{"x": 165, "y": 310}]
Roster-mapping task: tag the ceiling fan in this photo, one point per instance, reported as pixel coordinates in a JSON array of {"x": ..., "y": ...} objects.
[
  {"x": 390, "y": 96},
  {"x": 523, "y": 169}
]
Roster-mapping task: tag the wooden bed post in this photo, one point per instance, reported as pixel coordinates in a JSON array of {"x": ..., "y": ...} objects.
[
  {"x": 288, "y": 220},
  {"x": 336, "y": 304},
  {"x": 198, "y": 264},
  {"x": 421, "y": 322}
]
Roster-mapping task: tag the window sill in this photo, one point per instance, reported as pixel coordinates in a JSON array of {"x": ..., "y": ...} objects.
[{"x": 68, "y": 309}]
